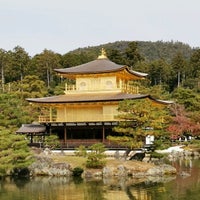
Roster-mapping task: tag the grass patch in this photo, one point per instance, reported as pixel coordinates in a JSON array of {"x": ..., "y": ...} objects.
[{"x": 74, "y": 161}]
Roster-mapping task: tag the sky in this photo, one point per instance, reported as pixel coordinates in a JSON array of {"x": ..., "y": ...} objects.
[{"x": 65, "y": 25}]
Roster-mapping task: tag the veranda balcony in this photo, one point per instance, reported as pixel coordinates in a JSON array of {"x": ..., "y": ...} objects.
[
  {"x": 72, "y": 119},
  {"x": 121, "y": 87},
  {"x": 47, "y": 118}
]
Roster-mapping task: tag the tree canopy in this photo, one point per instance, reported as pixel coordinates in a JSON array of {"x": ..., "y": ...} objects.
[
  {"x": 138, "y": 119},
  {"x": 14, "y": 152}
]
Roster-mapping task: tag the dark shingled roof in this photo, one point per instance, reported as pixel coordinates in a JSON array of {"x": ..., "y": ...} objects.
[
  {"x": 31, "y": 128},
  {"x": 92, "y": 97},
  {"x": 98, "y": 66}
]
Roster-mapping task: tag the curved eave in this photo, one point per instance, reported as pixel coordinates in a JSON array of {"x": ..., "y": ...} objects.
[
  {"x": 163, "y": 102},
  {"x": 139, "y": 74},
  {"x": 85, "y": 98},
  {"x": 95, "y": 66},
  {"x": 99, "y": 66},
  {"x": 129, "y": 73},
  {"x": 62, "y": 72},
  {"x": 90, "y": 98}
]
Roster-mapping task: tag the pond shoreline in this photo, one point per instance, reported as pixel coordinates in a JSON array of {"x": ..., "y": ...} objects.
[
  {"x": 57, "y": 163},
  {"x": 111, "y": 188}
]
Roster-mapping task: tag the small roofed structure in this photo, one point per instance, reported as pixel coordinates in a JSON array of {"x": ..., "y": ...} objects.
[{"x": 33, "y": 130}]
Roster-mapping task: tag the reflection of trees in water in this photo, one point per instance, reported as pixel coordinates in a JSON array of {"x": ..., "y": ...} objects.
[
  {"x": 77, "y": 180},
  {"x": 188, "y": 180},
  {"x": 148, "y": 190},
  {"x": 21, "y": 183},
  {"x": 46, "y": 187},
  {"x": 10, "y": 188},
  {"x": 138, "y": 190},
  {"x": 129, "y": 193},
  {"x": 94, "y": 190}
]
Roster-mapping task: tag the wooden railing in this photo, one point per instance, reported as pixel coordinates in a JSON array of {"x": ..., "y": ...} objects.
[
  {"x": 70, "y": 87},
  {"x": 47, "y": 118},
  {"x": 74, "y": 143},
  {"x": 130, "y": 89},
  {"x": 119, "y": 87},
  {"x": 80, "y": 118}
]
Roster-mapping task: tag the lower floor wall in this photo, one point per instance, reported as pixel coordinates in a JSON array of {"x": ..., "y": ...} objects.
[{"x": 72, "y": 137}]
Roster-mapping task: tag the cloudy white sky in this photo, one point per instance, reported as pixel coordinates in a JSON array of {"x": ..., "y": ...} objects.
[{"x": 64, "y": 25}]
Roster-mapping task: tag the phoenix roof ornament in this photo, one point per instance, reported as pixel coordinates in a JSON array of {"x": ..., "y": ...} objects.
[{"x": 103, "y": 54}]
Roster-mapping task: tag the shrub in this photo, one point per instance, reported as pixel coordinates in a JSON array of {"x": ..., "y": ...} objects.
[
  {"x": 51, "y": 141},
  {"x": 81, "y": 151},
  {"x": 156, "y": 155},
  {"x": 77, "y": 171},
  {"x": 96, "y": 158},
  {"x": 161, "y": 144}
]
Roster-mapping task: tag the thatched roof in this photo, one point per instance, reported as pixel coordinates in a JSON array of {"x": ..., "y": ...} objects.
[{"x": 31, "y": 128}]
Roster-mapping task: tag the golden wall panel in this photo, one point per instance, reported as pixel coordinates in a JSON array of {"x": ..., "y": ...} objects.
[{"x": 87, "y": 113}]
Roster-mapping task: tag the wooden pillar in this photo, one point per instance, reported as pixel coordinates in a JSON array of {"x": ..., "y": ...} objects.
[
  {"x": 103, "y": 133},
  {"x": 120, "y": 84},
  {"x": 65, "y": 134},
  {"x": 31, "y": 138},
  {"x": 66, "y": 87},
  {"x": 43, "y": 139},
  {"x": 50, "y": 130},
  {"x": 50, "y": 114}
]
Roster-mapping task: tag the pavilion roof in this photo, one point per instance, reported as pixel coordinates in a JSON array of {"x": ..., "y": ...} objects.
[
  {"x": 100, "y": 65},
  {"x": 93, "y": 97}
]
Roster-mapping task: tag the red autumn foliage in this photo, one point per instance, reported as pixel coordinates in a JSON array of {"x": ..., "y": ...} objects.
[{"x": 182, "y": 123}]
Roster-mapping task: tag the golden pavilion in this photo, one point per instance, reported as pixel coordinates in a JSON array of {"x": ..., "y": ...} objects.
[{"x": 87, "y": 111}]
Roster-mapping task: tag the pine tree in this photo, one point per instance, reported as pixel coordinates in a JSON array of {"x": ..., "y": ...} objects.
[
  {"x": 14, "y": 152},
  {"x": 139, "y": 118}
]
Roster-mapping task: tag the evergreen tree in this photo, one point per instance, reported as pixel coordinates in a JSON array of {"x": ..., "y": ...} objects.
[
  {"x": 115, "y": 56},
  {"x": 14, "y": 152},
  {"x": 43, "y": 65},
  {"x": 132, "y": 55},
  {"x": 19, "y": 63},
  {"x": 159, "y": 72},
  {"x": 3, "y": 59},
  {"x": 14, "y": 111},
  {"x": 187, "y": 97},
  {"x": 138, "y": 119},
  {"x": 96, "y": 157},
  {"x": 178, "y": 69},
  {"x": 31, "y": 87},
  {"x": 194, "y": 70}
]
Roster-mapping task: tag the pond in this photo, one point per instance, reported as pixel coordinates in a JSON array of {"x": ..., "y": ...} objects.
[{"x": 186, "y": 185}]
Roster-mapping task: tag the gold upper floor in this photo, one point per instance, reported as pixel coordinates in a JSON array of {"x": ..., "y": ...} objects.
[{"x": 101, "y": 84}]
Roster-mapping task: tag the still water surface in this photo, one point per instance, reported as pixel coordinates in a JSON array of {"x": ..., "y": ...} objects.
[{"x": 186, "y": 185}]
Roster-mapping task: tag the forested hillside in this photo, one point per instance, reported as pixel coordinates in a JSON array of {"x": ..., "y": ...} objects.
[{"x": 149, "y": 50}]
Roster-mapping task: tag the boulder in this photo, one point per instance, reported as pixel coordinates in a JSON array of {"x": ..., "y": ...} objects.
[
  {"x": 161, "y": 170},
  {"x": 46, "y": 167}
]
